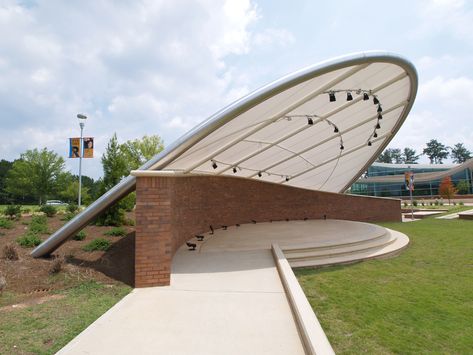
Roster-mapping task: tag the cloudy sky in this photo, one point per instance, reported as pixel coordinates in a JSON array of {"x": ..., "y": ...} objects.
[{"x": 161, "y": 67}]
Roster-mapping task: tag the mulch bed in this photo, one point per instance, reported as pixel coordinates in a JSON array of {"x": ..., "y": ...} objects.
[{"x": 29, "y": 276}]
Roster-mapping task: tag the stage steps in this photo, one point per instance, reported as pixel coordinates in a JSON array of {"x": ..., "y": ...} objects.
[{"x": 387, "y": 244}]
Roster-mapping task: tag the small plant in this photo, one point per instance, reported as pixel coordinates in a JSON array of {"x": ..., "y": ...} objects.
[
  {"x": 422, "y": 203},
  {"x": 9, "y": 252},
  {"x": 129, "y": 222},
  {"x": 29, "y": 240},
  {"x": 80, "y": 236},
  {"x": 414, "y": 203},
  {"x": 454, "y": 203},
  {"x": 68, "y": 216},
  {"x": 461, "y": 203},
  {"x": 116, "y": 232},
  {"x": 97, "y": 244},
  {"x": 437, "y": 202},
  {"x": 38, "y": 225},
  {"x": 48, "y": 210},
  {"x": 5, "y": 223},
  {"x": 431, "y": 203},
  {"x": 72, "y": 208},
  {"x": 3, "y": 283},
  {"x": 13, "y": 211},
  {"x": 405, "y": 204},
  {"x": 26, "y": 210},
  {"x": 56, "y": 266}
]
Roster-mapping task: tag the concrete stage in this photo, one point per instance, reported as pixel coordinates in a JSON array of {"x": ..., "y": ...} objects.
[{"x": 227, "y": 297}]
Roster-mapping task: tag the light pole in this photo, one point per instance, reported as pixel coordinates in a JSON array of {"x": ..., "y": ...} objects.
[{"x": 82, "y": 119}]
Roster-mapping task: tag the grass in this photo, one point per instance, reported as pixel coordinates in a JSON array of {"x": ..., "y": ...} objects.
[
  {"x": 116, "y": 232},
  {"x": 98, "y": 244},
  {"x": 46, "y": 328},
  {"x": 418, "y": 302}
]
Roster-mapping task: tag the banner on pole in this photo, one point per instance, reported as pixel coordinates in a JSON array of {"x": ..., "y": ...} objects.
[
  {"x": 88, "y": 147},
  {"x": 409, "y": 180},
  {"x": 74, "y": 147}
]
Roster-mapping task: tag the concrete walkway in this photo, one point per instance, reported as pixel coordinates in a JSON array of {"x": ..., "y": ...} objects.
[{"x": 218, "y": 303}]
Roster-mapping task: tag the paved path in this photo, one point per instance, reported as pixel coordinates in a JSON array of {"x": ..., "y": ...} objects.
[{"x": 218, "y": 303}]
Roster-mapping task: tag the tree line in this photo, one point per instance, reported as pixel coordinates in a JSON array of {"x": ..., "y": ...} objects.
[
  {"x": 39, "y": 174},
  {"x": 434, "y": 150}
]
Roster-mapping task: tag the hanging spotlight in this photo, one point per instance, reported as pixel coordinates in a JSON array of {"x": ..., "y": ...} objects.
[
  {"x": 375, "y": 135},
  {"x": 310, "y": 121},
  {"x": 378, "y": 126},
  {"x": 375, "y": 100},
  {"x": 380, "y": 109},
  {"x": 214, "y": 165},
  {"x": 380, "y": 116},
  {"x": 287, "y": 178},
  {"x": 335, "y": 130},
  {"x": 342, "y": 147},
  {"x": 349, "y": 96},
  {"x": 259, "y": 173},
  {"x": 331, "y": 96},
  {"x": 365, "y": 96},
  {"x": 234, "y": 170},
  {"x": 369, "y": 143}
]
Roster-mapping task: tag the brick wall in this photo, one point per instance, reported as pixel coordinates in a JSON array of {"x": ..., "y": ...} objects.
[{"x": 171, "y": 210}]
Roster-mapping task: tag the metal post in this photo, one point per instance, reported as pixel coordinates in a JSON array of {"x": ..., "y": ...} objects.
[
  {"x": 81, "y": 151},
  {"x": 412, "y": 205}
]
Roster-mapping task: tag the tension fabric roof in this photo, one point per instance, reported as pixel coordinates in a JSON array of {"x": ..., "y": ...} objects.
[{"x": 273, "y": 141}]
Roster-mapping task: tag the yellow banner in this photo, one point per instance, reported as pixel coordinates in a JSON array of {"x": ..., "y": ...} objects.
[
  {"x": 74, "y": 148},
  {"x": 88, "y": 147}
]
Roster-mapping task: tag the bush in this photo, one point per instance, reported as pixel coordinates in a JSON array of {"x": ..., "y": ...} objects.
[
  {"x": 56, "y": 266},
  {"x": 129, "y": 222},
  {"x": 414, "y": 203},
  {"x": 26, "y": 210},
  {"x": 72, "y": 208},
  {"x": 116, "y": 232},
  {"x": 48, "y": 210},
  {"x": 5, "y": 223},
  {"x": 29, "y": 240},
  {"x": 68, "y": 216},
  {"x": 80, "y": 236},
  {"x": 113, "y": 216},
  {"x": 437, "y": 202},
  {"x": 461, "y": 203},
  {"x": 405, "y": 204},
  {"x": 38, "y": 225},
  {"x": 97, "y": 244},
  {"x": 9, "y": 252},
  {"x": 13, "y": 211}
]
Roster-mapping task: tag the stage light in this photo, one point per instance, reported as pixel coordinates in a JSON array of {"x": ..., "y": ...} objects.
[
  {"x": 214, "y": 165},
  {"x": 287, "y": 178},
  {"x": 378, "y": 126},
  {"x": 234, "y": 170},
  {"x": 259, "y": 173},
  {"x": 335, "y": 130},
  {"x": 310, "y": 121},
  {"x": 375, "y": 100},
  {"x": 380, "y": 109},
  {"x": 375, "y": 135},
  {"x": 342, "y": 147},
  {"x": 380, "y": 116},
  {"x": 331, "y": 96},
  {"x": 369, "y": 143},
  {"x": 365, "y": 96},
  {"x": 349, "y": 96}
]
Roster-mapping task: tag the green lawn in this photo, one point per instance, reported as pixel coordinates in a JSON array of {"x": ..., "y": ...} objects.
[
  {"x": 46, "y": 328},
  {"x": 419, "y": 302}
]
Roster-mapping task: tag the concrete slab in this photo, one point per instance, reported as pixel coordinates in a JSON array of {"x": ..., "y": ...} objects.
[{"x": 223, "y": 303}]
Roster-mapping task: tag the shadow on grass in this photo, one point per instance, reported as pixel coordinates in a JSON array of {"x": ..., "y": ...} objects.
[{"x": 117, "y": 263}]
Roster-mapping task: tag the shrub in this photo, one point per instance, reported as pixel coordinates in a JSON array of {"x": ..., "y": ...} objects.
[
  {"x": 38, "y": 225},
  {"x": 29, "y": 240},
  {"x": 56, "y": 266},
  {"x": 80, "y": 235},
  {"x": 72, "y": 208},
  {"x": 68, "y": 216},
  {"x": 461, "y": 203},
  {"x": 422, "y": 203},
  {"x": 13, "y": 211},
  {"x": 48, "y": 210},
  {"x": 116, "y": 232},
  {"x": 5, "y": 223},
  {"x": 3, "y": 283},
  {"x": 437, "y": 202},
  {"x": 129, "y": 222},
  {"x": 26, "y": 210},
  {"x": 97, "y": 244},
  {"x": 405, "y": 204},
  {"x": 414, "y": 203},
  {"x": 9, "y": 252}
]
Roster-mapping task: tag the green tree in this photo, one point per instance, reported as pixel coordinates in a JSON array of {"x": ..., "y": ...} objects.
[
  {"x": 409, "y": 156},
  {"x": 463, "y": 187},
  {"x": 391, "y": 156},
  {"x": 5, "y": 166},
  {"x": 139, "y": 151},
  {"x": 114, "y": 164},
  {"x": 460, "y": 154},
  {"x": 436, "y": 151},
  {"x": 35, "y": 173}
]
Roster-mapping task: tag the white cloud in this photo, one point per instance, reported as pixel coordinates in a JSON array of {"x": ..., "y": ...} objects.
[{"x": 271, "y": 36}]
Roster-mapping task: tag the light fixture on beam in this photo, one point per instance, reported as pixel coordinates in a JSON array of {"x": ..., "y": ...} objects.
[
  {"x": 365, "y": 96},
  {"x": 375, "y": 100},
  {"x": 335, "y": 130},
  {"x": 378, "y": 126},
  {"x": 380, "y": 109},
  {"x": 310, "y": 121},
  {"x": 259, "y": 174},
  {"x": 349, "y": 96},
  {"x": 234, "y": 170},
  {"x": 369, "y": 144},
  {"x": 375, "y": 135},
  {"x": 342, "y": 147},
  {"x": 380, "y": 116},
  {"x": 214, "y": 164},
  {"x": 287, "y": 178},
  {"x": 331, "y": 96}
]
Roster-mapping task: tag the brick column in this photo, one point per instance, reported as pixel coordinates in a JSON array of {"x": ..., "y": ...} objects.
[{"x": 153, "y": 243}]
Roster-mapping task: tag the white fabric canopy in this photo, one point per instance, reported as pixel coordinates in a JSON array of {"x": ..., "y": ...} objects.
[{"x": 272, "y": 141}]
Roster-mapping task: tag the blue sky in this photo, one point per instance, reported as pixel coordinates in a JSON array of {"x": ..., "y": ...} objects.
[{"x": 161, "y": 67}]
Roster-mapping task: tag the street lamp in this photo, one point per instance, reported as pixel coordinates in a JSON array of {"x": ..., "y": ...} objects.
[{"x": 82, "y": 119}]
